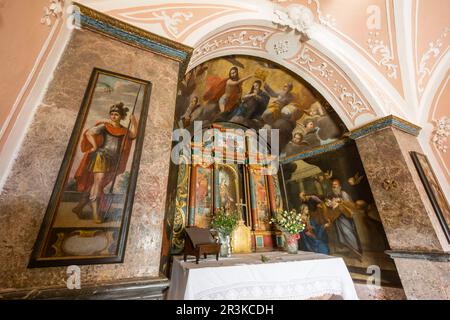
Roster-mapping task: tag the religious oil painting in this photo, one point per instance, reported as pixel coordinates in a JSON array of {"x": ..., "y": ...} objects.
[
  {"x": 258, "y": 94},
  {"x": 333, "y": 193},
  {"x": 260, "y": 198},
  {"x": 434, "y": 191},
  {"x": 228, "y": 188},
  {"x": 87, "y": 218},
  {"x": 203, "y": 201}
]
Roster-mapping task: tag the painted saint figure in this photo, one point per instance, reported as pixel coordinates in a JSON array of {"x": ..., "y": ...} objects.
[
  {"x": 106, "y": 148},
  {"x": 253, "y": 104},
  {"x": 297, "y": 144},
  {"x": 337, "y": 209},
  {"x": 314, "y": 238},
  {"x": 340, "y": 208},
  {"x": 226, "y": 200},
  {"x": 282, "y": 99},
  {"x": 191, "y": 113},
  {"x": 203, "y": 203}
]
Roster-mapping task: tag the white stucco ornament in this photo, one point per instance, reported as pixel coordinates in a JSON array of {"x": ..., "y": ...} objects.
[
  {"x": 441, "y": 133},
  {"x": 296, "y": 17},
  {"x": 283, "y": 45},
  {"x": 53, "y": 10}
]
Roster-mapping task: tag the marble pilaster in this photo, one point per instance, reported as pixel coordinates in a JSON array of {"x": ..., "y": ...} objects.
[
  {"x": 408, "y": 218},
  {"x": 29, "y": 185}
]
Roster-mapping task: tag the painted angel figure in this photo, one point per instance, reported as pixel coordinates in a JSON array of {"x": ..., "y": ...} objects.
[
  {"x": 282, "y": 98},
  {"x": 106, "y": 148}
]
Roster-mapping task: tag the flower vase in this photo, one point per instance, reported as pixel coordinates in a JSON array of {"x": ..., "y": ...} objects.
[
  {"x": 291, "y": 242},
  {"x": 225, "y": 245}
]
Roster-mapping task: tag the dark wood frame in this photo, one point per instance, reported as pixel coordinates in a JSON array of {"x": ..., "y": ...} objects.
[
  {"x": 36, "y": 257},
  {"x": 415, "y": 157}
]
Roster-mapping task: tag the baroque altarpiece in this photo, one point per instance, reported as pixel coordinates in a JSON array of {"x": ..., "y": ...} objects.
[{"x": 235, "y": 178}]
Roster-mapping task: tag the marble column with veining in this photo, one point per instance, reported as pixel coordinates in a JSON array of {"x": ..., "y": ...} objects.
[
  {"x": 408, "y": 218},
  {"x": 29, "y": 186}
]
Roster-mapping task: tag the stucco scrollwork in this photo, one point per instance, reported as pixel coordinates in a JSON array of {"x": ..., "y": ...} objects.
[
  {"x": 354, "y": 105},
  {"x": 296, "y": 17},
  {"x": 434, "y": 49},
  {"x": 350, "y": 100},
  {"x": 173, "y": 20},
  {"x": 248, "y": 37},
  {"x": 54, "y": 9},
  {"x": 322, "y": 68},
  {"x": 383, "y": 55},
  {"x": 324, "y": 19},
  {"x": 440, "y": 133}
]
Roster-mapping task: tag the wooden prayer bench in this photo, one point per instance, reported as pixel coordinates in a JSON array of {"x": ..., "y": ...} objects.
[{"x": 199, "y": 242}]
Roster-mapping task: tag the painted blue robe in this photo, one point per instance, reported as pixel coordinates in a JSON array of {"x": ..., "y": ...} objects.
[{"x": 318, "y": 244}]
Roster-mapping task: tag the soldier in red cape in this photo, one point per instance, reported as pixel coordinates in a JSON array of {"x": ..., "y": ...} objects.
[{"x": 106, "y": 148}]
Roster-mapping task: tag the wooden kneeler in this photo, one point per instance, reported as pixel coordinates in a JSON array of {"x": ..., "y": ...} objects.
[{"x": 199, "y": 242}]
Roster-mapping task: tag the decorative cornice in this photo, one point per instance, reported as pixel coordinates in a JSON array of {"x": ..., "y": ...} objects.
[
  {"x": 178, "y": 20},
  {"x": 99, "y": 22},
  {"x": 319, "y": 150},
  {"x": 248, "y": 37},
  {"x": 389, "y": 121},
  {"x": 138, "y": 289}
]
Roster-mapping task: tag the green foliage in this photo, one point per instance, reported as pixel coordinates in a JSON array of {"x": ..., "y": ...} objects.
[
  {"x": 289, "y": 221},
  {"x": 225, "y": 221}
]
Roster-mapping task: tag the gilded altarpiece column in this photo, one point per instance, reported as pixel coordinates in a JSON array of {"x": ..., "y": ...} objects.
[{"x": 181, "y": 207}]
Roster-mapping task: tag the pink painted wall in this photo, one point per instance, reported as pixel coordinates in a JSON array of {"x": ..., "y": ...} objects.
[
  {"x": 22, "y": 37},
  {"x": 350, "y": 17},
  {"x": 431, "y": 18},
  {"x": 429, "y": 32}
]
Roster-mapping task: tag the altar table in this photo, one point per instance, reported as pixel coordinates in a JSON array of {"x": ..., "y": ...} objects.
[{"x": 284, "y": 276}]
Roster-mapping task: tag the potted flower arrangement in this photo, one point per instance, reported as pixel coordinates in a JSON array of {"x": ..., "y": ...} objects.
[
  {"x": 291, "y": 223},
  {"x": 224, "y": 222}
]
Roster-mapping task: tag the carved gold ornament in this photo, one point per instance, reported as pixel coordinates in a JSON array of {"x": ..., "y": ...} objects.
[{"x": 389, "y": 184}]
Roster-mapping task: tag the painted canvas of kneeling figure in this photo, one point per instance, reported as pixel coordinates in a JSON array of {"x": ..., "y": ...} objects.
[
  {"x": 331, "y": 190},
  {"x": 87, "y": 217}
]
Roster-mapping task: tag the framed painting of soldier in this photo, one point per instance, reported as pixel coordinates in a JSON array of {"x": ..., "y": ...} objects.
[
  {"x": 87, "y": 218},
  {"x": 434, "y": 191}
]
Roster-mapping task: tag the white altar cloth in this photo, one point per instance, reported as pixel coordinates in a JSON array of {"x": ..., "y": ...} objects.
[{"x": 245, "y": 277}]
